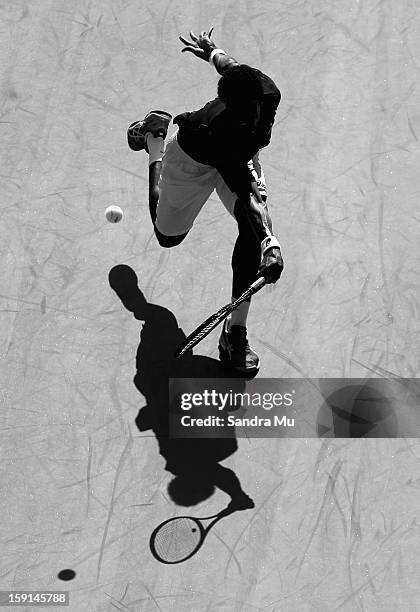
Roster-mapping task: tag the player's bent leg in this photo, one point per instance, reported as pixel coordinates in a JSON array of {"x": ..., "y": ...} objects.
[
  {"x": 154, "y": 176},
  {"x": 177, "y": 191},
  {"x": 155, "y": 169},
  {"x": 149, "y": 135}
]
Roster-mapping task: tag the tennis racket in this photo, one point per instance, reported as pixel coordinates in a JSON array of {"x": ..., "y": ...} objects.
[
  {"x": 209, "y": 324},
  {"x": 179, "y": 538}
]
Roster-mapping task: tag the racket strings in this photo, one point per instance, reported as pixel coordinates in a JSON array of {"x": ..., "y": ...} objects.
[{"x": 177, "y": 539}]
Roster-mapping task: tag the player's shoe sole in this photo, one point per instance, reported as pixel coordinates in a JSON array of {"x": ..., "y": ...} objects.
[{"x": 156, "y": 122}]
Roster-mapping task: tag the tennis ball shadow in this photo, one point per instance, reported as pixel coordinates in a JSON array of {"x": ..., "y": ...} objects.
[
  {"x": 357, "y": 411},
  {"x": 193, "y": 461}
]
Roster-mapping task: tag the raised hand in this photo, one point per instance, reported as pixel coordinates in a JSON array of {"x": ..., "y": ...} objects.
[{"x": 201, "y": 46}]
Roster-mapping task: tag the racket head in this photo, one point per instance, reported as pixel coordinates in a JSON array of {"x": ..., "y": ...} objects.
[{"x": 177, "y": 539}]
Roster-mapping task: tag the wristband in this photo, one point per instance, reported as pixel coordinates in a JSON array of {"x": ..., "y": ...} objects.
[
  {"x": 268, "y": 243},
  {"x": 213, "y": 53}
]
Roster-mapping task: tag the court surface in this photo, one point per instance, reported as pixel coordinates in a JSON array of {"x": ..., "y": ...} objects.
[{"x": 336, "y": 523}]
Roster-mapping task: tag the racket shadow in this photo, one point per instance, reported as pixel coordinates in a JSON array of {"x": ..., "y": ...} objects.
[{"x": 193, "y": 462}]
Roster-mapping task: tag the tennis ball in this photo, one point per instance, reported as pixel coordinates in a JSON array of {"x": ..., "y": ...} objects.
[{"x": 114, "y": 214}]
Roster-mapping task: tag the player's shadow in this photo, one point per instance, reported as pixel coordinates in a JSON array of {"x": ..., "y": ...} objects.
[{"x": 193, "y": 462}]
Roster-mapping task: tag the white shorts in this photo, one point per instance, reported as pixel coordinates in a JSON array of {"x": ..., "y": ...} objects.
[{"x": 184, "y": 187}]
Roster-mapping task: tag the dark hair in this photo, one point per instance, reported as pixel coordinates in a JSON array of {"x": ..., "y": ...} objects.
[{"x": 239, "y": 84}]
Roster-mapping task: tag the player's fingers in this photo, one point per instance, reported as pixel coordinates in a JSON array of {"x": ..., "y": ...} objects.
[
  {"x": 184, "y": 40},
  {"x": 193, "y": 36},
  {"x": 188, "y": 44},
  {"x": 193, "y": 50},
  {"x": 269, "y": 277},
  {"x": 210, "y": 31}
]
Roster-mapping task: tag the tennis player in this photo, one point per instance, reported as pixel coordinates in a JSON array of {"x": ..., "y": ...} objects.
[{"x": 217, "y": 148}]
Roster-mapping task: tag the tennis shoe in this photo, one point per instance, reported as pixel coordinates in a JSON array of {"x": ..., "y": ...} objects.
[
  {"x": 234, "y": 350},
  {"x": 156, "y": 122}
]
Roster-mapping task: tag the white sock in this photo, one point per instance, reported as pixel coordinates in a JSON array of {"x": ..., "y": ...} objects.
[
  {"x": 156, "y": 148},
  {"x": 239, "y": 315}
]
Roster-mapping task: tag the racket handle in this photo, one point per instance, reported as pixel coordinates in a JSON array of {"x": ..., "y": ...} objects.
[{"x": 257, "y": 285}]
